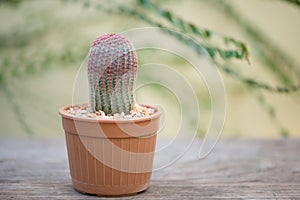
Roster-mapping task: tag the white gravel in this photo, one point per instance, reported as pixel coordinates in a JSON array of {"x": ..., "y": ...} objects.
[{"x": 85, "y": 111}]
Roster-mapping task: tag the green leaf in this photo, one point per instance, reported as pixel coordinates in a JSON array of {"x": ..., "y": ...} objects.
[
  {"x": 168, "y": 16},
  {"x": 145, "y": 3},
  {"x": 194, "y": 29},
  {"x": 181, "y": 25}
]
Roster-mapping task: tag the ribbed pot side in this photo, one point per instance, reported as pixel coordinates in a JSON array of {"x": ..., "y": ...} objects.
[{"x": 110, "y": 157}]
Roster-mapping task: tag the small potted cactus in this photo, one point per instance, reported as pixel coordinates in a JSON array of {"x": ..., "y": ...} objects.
[{"x": 111, "y": 141}]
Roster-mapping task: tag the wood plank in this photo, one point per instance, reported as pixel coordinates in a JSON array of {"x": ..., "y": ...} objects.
[{"x": 236, "y": 169}]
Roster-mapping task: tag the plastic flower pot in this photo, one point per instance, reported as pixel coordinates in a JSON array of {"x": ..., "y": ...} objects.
[{"x": 110, "y": 157}]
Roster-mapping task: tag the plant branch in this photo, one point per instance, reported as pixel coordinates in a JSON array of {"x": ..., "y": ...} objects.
[
  {"x": 264, "y": 49},
  {"x": 205, "y": 34},
  {"x": 200, "y": 49},
  {"x": 16, "y": 110},
  {"x": 257, "y": 84}
]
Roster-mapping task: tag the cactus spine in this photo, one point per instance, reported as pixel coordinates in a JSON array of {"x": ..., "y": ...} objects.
[{"x": 112, "y": 68}]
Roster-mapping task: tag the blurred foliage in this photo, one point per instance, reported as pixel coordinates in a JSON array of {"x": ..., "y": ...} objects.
[
  {"x": 201, "y": 40},
  {"x": 272, "y": 56},
  {"x": 295, "y": 2},
  {"x": 279, "y": 62},
  {"x": 10, "y": 2}
]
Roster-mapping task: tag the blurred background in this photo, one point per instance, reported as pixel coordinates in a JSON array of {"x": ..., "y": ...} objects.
[{"x": 43, "y": 44}]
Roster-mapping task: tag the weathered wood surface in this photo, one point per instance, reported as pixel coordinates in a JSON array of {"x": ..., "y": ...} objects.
[{"x": 236, "y": 169}]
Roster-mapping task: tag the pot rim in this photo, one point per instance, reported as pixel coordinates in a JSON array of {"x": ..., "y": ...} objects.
[{"x": 156, "y": 114}]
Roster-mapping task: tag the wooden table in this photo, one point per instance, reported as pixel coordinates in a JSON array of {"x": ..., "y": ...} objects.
[{"x": 241, "y": 169}]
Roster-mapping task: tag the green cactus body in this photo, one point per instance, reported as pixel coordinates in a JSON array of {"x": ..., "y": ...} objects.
[{"x": 112, "y": 68}]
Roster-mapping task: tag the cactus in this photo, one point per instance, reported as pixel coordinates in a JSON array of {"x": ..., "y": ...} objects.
[{"x": 112, "y": 68}]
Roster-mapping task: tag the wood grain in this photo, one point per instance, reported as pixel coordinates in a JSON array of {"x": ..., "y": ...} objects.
[{"x": 236, "y": 169}]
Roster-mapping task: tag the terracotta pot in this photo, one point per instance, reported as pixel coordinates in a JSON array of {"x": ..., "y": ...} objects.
[{"x": 109, "y": 157}]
